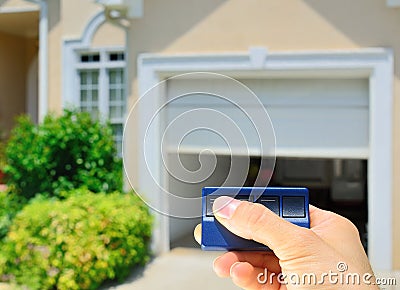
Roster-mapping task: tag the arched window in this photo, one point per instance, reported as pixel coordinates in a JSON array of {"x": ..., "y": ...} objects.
[{"x": 95, "y": 78}]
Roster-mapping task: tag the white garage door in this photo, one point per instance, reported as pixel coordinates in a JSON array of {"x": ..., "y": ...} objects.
[{"x": 311, "y": 117}]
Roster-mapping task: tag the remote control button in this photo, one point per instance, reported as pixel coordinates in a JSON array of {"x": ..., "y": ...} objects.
[
  {"x": 242, "y": 197},
  {"x": 271, "y": 202},
  {"x": 293, "y": 207},
  {"x": 211, "y": 198},
  {"x": 210, "y": 201}
]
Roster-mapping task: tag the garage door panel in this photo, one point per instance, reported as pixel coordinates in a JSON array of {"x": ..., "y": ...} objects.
[
  {"x": 307, "y": 127},
  {"x": 207, "y": 92},
  {"x": 311, "y": 117},
  {"x": 295, "y": 128},
  {"x": 311, "y": 92},
  {"x": 274, "y": 92},
  {"x": 225, "y": 130}
]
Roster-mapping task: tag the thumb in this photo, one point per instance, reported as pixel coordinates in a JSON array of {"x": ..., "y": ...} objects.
[{"x": 254, "y": 221}]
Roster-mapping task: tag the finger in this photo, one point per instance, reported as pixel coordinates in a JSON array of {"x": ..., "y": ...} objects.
[
  {"x": 223, "y": 263},
  {"x": 247, "y": 276},
  {"x": 197, "y": 234},
  {"x": 256, "y": 222}
]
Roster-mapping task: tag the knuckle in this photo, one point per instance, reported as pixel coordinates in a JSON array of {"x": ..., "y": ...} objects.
[
  {"x": 305, "y": 236},
  {"x": 348, "y": 225},
  {"x": 256, "y": 219},
  {"x": 248, "y": 215},
  {"x": 351, "y": 227}
]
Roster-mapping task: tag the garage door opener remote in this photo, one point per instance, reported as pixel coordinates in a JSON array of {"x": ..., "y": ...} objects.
[{"x": 290, "y": 203}]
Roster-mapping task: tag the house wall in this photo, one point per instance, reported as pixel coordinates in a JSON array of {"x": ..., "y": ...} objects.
[
  {"x": 227, "y": 26},
  {"x": 17, "y": 4},
  {"x": 109, "y": 35},
  {"x": 16, "y": 54},
  {"x": 75, "y": 16},
  {"x": 67, "y": 20}
]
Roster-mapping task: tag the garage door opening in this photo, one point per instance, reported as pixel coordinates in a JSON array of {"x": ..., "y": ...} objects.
[
  {"x": 314, "y": 119},
  {"x": 338, "y": 185}
]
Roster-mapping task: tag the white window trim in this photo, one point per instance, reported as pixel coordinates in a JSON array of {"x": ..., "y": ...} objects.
[
  {"x": 72, "y": 49},
  {"x": 134, "y": 8},
  {"x": 375, "y": 64},
  {"x": 103, "y": 65}
]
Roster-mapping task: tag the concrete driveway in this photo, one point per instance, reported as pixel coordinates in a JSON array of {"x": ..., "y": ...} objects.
[{"x": 179, "y": 269}]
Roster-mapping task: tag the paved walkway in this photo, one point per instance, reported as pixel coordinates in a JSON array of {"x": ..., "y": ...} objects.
[{"x": 179, "y": 269}]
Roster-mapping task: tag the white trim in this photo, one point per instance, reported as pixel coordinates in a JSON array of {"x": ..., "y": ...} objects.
[
  {"x": 18, "y": 9},
  {"x": 103, "y": 86},
  {"x": 43, "y": 61},
  {"x": 71, "y": 48},
  {"x": 393, "y": 3},
  {"x": 110, "y": 2},
  {"x": 102, "y": 66},
  {"x": 380, "y": 164},
  {"x": 43, "y": 58},
  {"x": 32, "y": 97},
  {"x": 377, "y": 64},
  {"x": 342, "y": 153},
  {"x": 134, "y": 8}
]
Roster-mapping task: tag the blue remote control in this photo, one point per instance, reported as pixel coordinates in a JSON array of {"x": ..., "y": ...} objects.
[{"x": 287, "y": 202}]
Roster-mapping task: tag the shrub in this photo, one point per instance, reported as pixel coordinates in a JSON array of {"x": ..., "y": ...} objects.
[
  {"x": 62, "y": 153},
  {"x": 76, "y": 243},
  {"x": 10, "y": 204},
  {"x": 2, "y": 155}
]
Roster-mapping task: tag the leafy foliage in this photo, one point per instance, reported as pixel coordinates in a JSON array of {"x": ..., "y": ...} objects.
[
  {"x": 10, "y": 204},
  {"x": 76, "y": 243},
  {"x": 62, "y": 153},
  {"x": 2, "y": 154}
]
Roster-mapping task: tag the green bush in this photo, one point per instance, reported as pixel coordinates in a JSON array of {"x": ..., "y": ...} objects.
[
  {"x": 62, "y": 153},
  {"x": 10, "y": 205},
  {"x": 76, "y": 243},
  {"x": 2, "y": 155}
]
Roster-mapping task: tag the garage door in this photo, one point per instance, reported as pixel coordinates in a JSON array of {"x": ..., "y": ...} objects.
[{"x": 311, "y": 117}]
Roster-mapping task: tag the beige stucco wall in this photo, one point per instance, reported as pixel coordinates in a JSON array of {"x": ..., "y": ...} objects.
[
  {"x": 109, "y": 35},
  {"x": 16, "y": 54},
  {"x": 287, "y": 25},
  {"x": 76, "y": 15},
  {"x": 67, "y": 20}
]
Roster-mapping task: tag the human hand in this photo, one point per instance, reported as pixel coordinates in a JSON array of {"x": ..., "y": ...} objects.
[{"x": 331, "y": 242}]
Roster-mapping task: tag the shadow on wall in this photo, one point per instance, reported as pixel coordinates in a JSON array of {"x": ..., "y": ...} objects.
[
  {"x": 369, "y": 30},
  {"x": 173, "y": 23},
  {"x": 54, "y": 7}
]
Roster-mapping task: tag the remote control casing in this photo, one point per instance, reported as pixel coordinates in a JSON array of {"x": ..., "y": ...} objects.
[{"x": 290, "y": 203}]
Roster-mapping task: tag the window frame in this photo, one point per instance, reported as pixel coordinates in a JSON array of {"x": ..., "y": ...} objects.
[{"x": 103, "y": 66}]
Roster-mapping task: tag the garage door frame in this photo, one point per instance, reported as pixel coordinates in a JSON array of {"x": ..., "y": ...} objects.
[{"x": 376, "y": 64}]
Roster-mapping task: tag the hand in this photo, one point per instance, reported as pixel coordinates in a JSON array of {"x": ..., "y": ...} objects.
[{"x": 297, "y": 252}]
